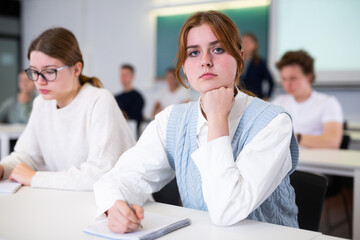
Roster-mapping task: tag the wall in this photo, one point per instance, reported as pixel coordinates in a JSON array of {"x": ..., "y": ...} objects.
[
  {"x": 9, "y": 55},
  {"x": 109, "y": 32},
  {"x": 112, "y": 32}
]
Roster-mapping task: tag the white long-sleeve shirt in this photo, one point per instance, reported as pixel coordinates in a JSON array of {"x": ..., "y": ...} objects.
[
  {"x": 72, "y": 147},
  {"x": 231, "y": 189}
]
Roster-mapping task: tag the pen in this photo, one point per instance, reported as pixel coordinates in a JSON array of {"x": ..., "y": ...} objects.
[{"x": 127, "y": 202}]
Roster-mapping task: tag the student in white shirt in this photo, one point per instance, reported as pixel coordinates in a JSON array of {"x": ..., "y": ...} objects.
[
  {"x": 317, "y": 117},
  {"x": 231, "y": 153},
  {"x": 76, "y": 131},
  {"x": 172, "y": 94}
]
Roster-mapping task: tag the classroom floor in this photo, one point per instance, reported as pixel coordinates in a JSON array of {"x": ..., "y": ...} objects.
[{"x": 334, "y": 220}]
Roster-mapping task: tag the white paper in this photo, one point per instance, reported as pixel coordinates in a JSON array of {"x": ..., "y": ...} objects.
[
  {"x": 151, "y": 223},
  {"x": 7, "y": 186}
]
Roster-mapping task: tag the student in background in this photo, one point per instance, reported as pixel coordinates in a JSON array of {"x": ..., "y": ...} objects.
[
  {"x": 318, "y": 118},
  {"x": 256, "y": 74},
  {"x": 130, "y": 100},
  {"x": 17, "y": 109},
  {"x": 76, "y": 131},
  {"x": 231, "y": 153},
  {"x": 172, "y": 94}
]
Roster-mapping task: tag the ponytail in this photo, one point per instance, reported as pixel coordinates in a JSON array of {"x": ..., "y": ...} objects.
[{"x": 92, "y": 80}]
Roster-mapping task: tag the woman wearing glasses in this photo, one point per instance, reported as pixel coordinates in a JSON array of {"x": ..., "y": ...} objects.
[
  {"x": 231, "y": 153},
  {"x": 76, "y": 131}
]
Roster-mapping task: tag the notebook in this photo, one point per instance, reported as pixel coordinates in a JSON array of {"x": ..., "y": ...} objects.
[
  {"x": 8, "y": 187},
  {"x": 154, "y": 226}
]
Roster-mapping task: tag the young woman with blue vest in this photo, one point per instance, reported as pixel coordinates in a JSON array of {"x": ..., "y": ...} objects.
[
  {"x": 76, "y": 131},
  {"x": 231, "y": 153}
]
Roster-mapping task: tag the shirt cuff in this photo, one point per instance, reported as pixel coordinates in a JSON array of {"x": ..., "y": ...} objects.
[
  {"x": 8, "y": 167},
  {"x": 38, "y": 180}
]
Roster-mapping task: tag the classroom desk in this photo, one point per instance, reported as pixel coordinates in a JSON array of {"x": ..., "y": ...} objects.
[
  {"x": 56, "y": 214},
  {"x": 354, "y": 126},
  {"x": 8, "y": 132},
  {"x": 336, "y": 162},
  {"x": 354, "y": 134}
]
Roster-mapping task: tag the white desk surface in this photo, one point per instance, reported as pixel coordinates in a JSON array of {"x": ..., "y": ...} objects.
[
  {"x": 354, "y": 134},
  {"x": 354, "y": 125},
  {"x": 11, "y": 128},
  {"x": 326, "y": 237},
  {"x": 336, "y": 162},
  {"x": 56, "y": 214}
]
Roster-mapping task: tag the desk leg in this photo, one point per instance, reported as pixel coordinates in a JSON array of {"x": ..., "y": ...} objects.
[
  {"x": 356, "y": 217},
  {"x": 5, "y": 145}
]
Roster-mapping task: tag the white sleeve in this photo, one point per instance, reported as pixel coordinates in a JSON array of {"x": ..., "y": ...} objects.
[
  {"x": 140, "y": 171},
  {"x": 27, "y": 148},
  {"x": 232, "y": 190},
  {"x": 109, "y": 137},
  {"x": 332, "y": 111}
]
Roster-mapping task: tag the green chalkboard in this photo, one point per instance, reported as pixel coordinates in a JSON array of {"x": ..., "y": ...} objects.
[{"x": 253, "y": 20}]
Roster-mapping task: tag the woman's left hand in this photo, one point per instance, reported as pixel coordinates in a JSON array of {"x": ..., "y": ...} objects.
[
  {"x": 22, "y": 173},
  {"x": 217, "y": 105}
]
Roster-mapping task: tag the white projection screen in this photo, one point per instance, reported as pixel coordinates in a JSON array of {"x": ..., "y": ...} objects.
[{"x": 328, "y": 29}]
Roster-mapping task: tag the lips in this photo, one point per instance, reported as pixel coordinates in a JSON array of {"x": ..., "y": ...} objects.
[
  {"x": 208, "y": 75},
  {"x": 44, "y": 91}
]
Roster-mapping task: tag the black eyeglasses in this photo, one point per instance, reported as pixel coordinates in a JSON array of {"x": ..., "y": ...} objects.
[{"x": 47, "y": 74}]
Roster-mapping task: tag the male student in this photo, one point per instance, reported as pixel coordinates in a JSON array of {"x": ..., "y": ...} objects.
[
  {"x": 317, "y": 117},
  {"x": 130, "y": 100}
]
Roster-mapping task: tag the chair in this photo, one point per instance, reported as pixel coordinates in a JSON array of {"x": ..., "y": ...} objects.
[
  {"x": 310, "y": 192},
  {"x": 169, "y": 194},
  {"x": 337, "y": 187},
  {"x": 345, "y": 142}
]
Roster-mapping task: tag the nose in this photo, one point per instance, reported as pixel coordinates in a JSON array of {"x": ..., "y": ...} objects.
[
  {"x": 41, "y": 80},
  {"x": 206, "y": 60}
]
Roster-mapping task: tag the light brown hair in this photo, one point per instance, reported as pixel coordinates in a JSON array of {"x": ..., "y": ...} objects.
[
  {"x": 225, "y": 32},
  {"x": 300, "y": 58},
  {"x": 255, "y": 53},
  {"x": 61, "y": 44}
]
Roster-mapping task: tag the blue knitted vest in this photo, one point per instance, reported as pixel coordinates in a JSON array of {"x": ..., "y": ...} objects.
[{"x": 279, "y": 208}]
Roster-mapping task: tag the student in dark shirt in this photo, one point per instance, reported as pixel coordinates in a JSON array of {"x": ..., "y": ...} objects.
[
  {"x": 256, "y": 71},
  {"x": 130, "y": 101}
]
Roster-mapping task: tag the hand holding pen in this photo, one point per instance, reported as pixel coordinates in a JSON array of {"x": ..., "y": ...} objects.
[
  {"x": 123, "y": 217},
  {"x": 127, "y": 202}
]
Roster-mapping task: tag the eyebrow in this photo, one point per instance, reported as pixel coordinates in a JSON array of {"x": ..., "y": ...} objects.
[
  {"x": 47, "y": 66},
  {"x": 196, "y": 46}
]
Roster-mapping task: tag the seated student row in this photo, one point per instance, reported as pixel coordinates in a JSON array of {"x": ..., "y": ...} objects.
[{"x": 253, "y": 139}]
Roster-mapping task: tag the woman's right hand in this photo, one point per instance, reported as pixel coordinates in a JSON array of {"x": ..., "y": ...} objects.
[{"x": 122, "y": 219}]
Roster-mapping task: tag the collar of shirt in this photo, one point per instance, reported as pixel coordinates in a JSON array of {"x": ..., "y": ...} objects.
[{"x": 242, "y": 100}]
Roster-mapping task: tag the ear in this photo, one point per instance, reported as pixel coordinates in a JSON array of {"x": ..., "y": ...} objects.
[
  {"x": 77, "y": 69},
  {"x": 309, "y": 77},
  {"x": 242, "y": 53}
]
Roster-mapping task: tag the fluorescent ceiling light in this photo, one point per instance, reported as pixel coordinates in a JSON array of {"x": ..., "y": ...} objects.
[{"x": 184, "y": 9}]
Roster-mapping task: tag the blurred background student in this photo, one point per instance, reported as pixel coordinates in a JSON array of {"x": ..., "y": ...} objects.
[
  {"x": 171, "y": 94},
  {"x": 256, "y": 76},
  {"x": 76, "y": 131},
  {"x": 17, "y": 109},
  {"x": 130, "y": 101},
  {"x": 318, "y": 118}
]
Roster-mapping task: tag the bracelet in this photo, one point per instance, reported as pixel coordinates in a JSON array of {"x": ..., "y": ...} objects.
[{"x": 298, "y": 137}]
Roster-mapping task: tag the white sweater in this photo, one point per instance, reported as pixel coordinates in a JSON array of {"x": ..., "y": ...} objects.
[{"x": 72, "y": 147}]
